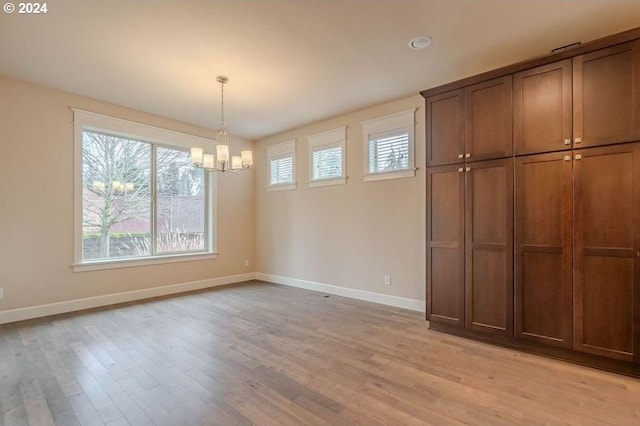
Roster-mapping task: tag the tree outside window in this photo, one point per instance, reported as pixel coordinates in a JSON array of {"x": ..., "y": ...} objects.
[{"x": 122, "y": 214}]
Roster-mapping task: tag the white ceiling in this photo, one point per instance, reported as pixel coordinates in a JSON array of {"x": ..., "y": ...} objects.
[{"x": 290, "y": 62}]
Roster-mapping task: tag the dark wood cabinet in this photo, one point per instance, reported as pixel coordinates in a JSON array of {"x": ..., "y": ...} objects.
[
  {"x": 607, "y": 250},
  {"x": 470, "y": 124},
  {"x": 445, "y": 244},
  {"x": 470, "y": 245},
  {"x": 544, "y": 248},
  {"x": 590, "y": 100},
  {"x": 488, "y": 115},
  {"x": 533, "y": 205},
  {"x": 542, "y": 108},
  {"x": 606, "y": 96},
  {"x": 445, "y": 124},
  {"x": 489, "y": 246},
  {"x": 585, "y": 300}
]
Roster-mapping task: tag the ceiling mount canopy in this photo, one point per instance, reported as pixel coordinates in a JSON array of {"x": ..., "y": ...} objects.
[{"x": 208, "y": 161}]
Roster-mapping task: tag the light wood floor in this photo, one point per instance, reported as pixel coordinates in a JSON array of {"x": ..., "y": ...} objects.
[{"x": 266, "y": 354}]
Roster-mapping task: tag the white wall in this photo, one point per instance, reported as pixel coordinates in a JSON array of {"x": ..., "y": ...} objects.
[
  {"x": 36, "y": 206},
  {"x": 349, "y": 235}
]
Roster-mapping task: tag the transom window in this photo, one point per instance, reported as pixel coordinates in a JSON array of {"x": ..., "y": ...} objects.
[
  {"x": 282, "y": 166},
  {"x": 327, "y": 158},
  {"x": 139, "y": 199},
  {"x": 389, "y": 151},
  {"x": 389, "y": 146},
  {"x": 282, "y": 170}
]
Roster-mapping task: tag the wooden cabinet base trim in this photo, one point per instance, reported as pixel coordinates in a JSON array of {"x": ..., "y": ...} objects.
[{"x": 621, "y": 367}]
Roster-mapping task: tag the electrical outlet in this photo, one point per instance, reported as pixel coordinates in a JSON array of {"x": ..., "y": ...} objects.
[
  {"x": 387, "y": 280},
  {"x": 1, "y": 293},
  {"x": 246, "y": 262}
]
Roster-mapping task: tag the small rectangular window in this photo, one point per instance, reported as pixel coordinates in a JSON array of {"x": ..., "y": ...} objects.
[
  {"x": 282, "y": 166},
  {"x": 389, "y": 151},
  {"x": 282, "y": 170},
  {"x": 327, "y": 158},
  {"x": 327, "y": 163},
  {"x": 389, "y": 146}
]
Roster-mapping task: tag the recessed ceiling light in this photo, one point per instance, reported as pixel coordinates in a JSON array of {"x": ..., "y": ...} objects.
[{"x": 420, "y": 42}]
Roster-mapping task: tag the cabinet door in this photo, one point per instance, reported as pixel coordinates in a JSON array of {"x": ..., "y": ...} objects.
[
  {"x": 489, "y": 247},
  {"x": 542, "y": 109},
  {"x": 544, "y": 240},
  {"x": 445, "y": 128},
  {"x": 607, "y": 217},
  {"x": 445, "y": 244},
  {"x": 489, "y": 120},
  {"x": 606, "y": 96}
]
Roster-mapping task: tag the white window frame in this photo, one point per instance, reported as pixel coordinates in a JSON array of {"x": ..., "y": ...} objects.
[
  {"x": 281, "y": 150},
  {"x": 85, "y": 120},
  {"x": 399, "y": 121},
  {"x": 335, "y": 138}
]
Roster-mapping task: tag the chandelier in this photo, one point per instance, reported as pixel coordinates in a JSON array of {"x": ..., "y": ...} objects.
[{"x": 208, "y": 161}]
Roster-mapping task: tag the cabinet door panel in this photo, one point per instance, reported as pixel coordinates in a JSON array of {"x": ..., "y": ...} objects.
[
  {"x": 607, "y": 187},
  {"x": 541, "y": 300},
  {"x": 489, "y": 247},
  {"x": 606, "y": 291},
  {"x": 542, "y": 108},
  {"x": 445, "y": 245},
  {"x": 445, "y": 128},
  {"x": 607, "y": 305},
  {"x": 543, "y": 279},
  {"x": 607, "y": 95},
  {"x": 488, "y": 290},
  {"x": 489, "y": 119},
  {"x": 446, "y": 292}
]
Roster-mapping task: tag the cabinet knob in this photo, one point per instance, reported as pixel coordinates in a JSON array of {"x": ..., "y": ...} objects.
[
  {"x": 567, "y": 158},
  {"x": 577, "y": 140},
  {"x": 460, "y": 155},
  {"x": 567, "y": 141},
  {"x": 460, "y": 169},
  {"x": 468, "y": 169},
  {"x": 467, "y": 155},
  {"x": 578, "y": 157}
]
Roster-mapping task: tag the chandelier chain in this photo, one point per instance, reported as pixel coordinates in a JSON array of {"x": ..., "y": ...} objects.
[{"x": 222, "y": 104}]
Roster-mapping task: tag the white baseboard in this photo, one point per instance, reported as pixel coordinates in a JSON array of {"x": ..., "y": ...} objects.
[
  {"x": 38, "y": 311},
  {"x": 368, "y": 296},
  {"x": 110, "y": 299}
]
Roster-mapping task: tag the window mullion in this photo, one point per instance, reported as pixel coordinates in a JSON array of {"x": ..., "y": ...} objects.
[
  {"x": 154, "y": 200},
  {"x": 208, "y": 216}
]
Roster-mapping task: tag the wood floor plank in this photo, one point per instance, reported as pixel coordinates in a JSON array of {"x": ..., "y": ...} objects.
[
  {"x": 13, "y": 411},
  {"x": 59, "y": 406},
  {"x": 131, "y": 411},
  {"x": 269, "y": 355},
  {"x": 84, "y": 410}
]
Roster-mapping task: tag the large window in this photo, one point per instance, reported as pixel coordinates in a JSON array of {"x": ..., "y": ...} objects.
[
  {"x": 140, "y": 197},
  {"x": 388, "y": 146},
  {"x": 327, "y": 158},
  {"x": 281, "y": 159}
]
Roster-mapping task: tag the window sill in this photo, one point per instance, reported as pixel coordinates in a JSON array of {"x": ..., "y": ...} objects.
[
  {"x": 128, "y": 263},
  {"x": 396, "y": 174},
  {"x": 284, "y": 187},
  {"x": 328, "y": 182}
]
